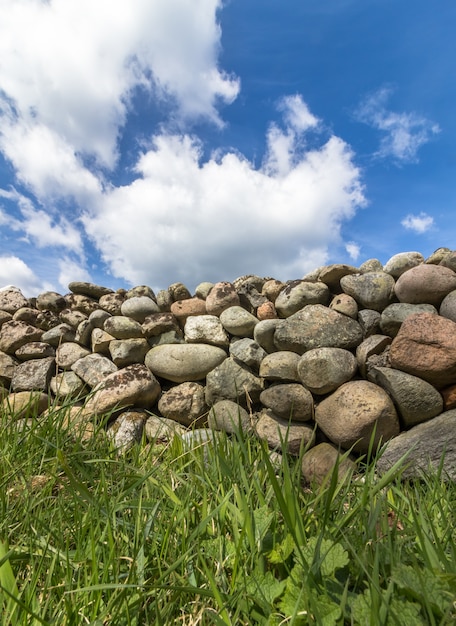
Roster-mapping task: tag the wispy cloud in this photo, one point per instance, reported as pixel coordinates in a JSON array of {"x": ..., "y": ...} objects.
[
  {"x": 418, "y": 223},
  {"x": 403, "y": 134}
]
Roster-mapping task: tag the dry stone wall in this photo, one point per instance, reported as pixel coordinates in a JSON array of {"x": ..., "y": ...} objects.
[{"x": 327, "y": 362}]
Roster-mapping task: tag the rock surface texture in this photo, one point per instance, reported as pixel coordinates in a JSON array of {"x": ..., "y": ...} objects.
[{"x": 326, "y": 364}]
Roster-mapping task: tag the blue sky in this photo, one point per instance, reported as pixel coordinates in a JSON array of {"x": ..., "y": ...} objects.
[{"x": 158, "y": 141}]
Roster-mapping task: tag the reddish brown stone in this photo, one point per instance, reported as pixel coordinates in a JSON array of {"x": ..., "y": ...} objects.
[
  {"x": 425, "y": 346},
  {"x": 266, "y": 311},
  {"x": 425, "y": 284},
  {"x": 449, "y": 397},
  {"x": 221, "y": 297},
  {"x": 182, "y": 309}
]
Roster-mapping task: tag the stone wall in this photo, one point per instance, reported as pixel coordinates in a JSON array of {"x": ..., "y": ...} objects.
[{"x": 329, "y": 361}]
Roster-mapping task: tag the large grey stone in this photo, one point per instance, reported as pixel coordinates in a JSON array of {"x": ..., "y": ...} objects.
[
  {"x": 206, "y": 329},
  {"x": 247, "y": 351},
  {"x": 7, "y": 366},
  {"x": 230, "y": 417},
  {"x": 98, "y": 318},
  {"x": 138, "y": 308},
  {"x": 233, "y": 381},
  {"x": 78, "y": 302},
  {"x": 67, "y": 385},
  {"x": 34, "y": 350},
  {"x": 369, "y": 321},
  {"x": 133, "y": 385},
  {"x": 112, "y": 303},
  {"x": 33, "y": 375},
  {"x": 68, "y": 353},
  {"x": 322, "y": 370},
  {"x": 280, "y": 366},
  {"x": 184, "y": 362},
  {"x": 427, "y": 445},
  {"x": 289, "y": 401},
  {"x": 448, "y": 306},
  {"x": 373, "y": 290},
  {"x": 15, "y": 334},
  {"x": 415, "y": 399},
  {"x": 393, "y": 315},
  {"x": 50, "y": 301},
  {"x": 84, "y": 333},
  {"x": 58, "y": 335},
  {"x": 298, "y": 294},
  {"x": 93, "y": 368},
  {"x": 373, "y": 345},
  {"x": 72, "y": 318},
  {"x": 184, "y": 403},
  {"x": 12, "y": 299},
  {"x": 128, "y": 351},
  {"x": 331, "y": 275},
  {"x": 317, "y": 326},
  {"x": 127, "y": 430},
  {"x": 263, "y": 334},
  {"x": 100, "y": 340},
  {"x": 88, "y": 289},
  {"x": 238, "y": 322},
  {"x": 319, "y": 463},
  {"x": 400, "y": 263},
  {"x": 284, "y": 435},
  {"x": 123, "y": 327}
]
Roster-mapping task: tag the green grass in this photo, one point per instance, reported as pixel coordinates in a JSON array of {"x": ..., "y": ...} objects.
[{"x": 216, "y": 535}]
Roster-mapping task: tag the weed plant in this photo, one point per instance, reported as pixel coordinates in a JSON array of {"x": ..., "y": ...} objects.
[{"x": 217, "y": 534}]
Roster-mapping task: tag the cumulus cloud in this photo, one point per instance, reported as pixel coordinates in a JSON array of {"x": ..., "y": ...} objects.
[
  {"x": 185, "y": 219},
  {"x": 70, "y": 71},
  {"x": 13, "y": 271},
  {"x": 403, "y": 134},
  {"x": 418, "y": 223},
  {"x": 53, "y": 89}
]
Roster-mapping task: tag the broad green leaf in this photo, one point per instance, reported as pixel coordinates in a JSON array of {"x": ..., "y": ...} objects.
[
  {"x": 331, "y": 557},
  {"x": 423, "y": 584},
  {"x": 329, "y": 613},
  {"x": 265, "y": 587},
  {"x": 409, "y": 612},
  {"x": 281, "y": 552},
  {"x": 295, "y": 601}
]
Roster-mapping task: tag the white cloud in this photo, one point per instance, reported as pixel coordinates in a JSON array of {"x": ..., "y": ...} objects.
[
  {"x": 184, "y": 219},
  {"x": 13, "y": 271},
  {"x": 39, "y": 226},
  {"x": 70, "y": 270},
  {"x": 353, "y": 250},
  {"x": 418, "y": 223},
  {"x": 403, "y": 133},
  {"x": 69, "y": 73},
  {"x": 297, "y": 114},
  {"x": 69, "y": 68}
]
